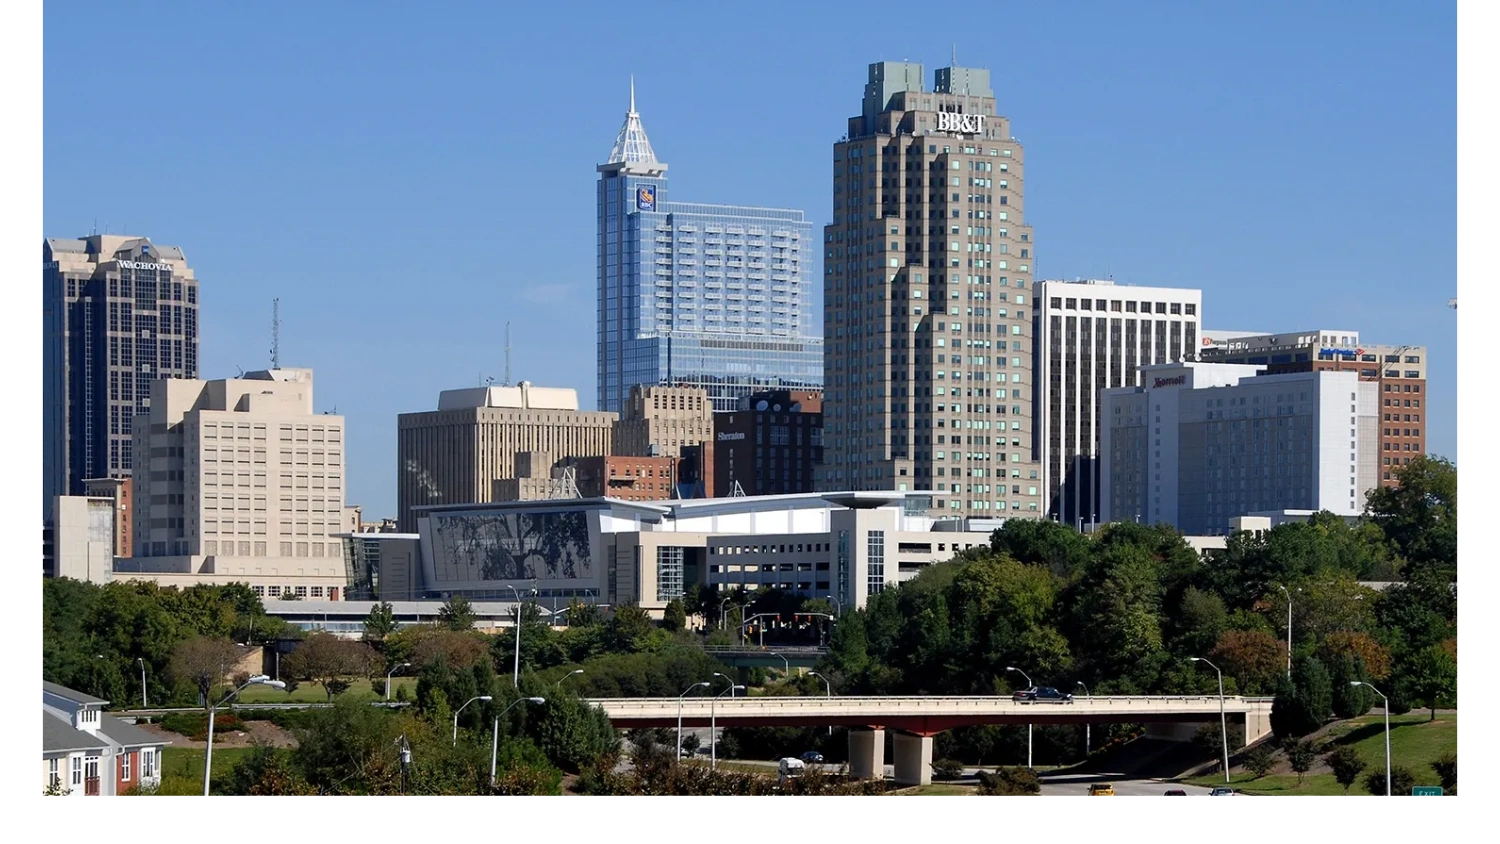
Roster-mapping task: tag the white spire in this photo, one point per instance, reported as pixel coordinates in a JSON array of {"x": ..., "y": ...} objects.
[{"x": 631, "y": 145}]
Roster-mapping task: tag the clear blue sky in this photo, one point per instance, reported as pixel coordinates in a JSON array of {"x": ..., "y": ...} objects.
[{"x": 407, "y": 178}]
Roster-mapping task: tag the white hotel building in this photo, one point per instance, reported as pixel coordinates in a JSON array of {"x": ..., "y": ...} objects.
[{"x": 1197, "y": 444}]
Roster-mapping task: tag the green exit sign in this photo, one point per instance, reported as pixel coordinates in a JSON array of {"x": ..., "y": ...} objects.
[{"x": 1427, "y": 791}]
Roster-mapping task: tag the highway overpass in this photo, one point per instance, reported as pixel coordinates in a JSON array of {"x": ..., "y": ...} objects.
[{"x": 917, "y": 719}]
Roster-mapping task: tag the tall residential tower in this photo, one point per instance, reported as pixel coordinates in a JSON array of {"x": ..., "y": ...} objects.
[
  {"x": 711, "y": 296},
  {"x": 117, "y": 313},
  {"x": 927, "y": 299}
]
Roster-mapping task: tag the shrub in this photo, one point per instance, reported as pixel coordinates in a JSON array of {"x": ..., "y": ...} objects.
[
  {"x": 947, "y": 769},
  {"x": 1447, "y": 770},
  {"x": 1402, "y": 781},
  {"x": 1347, "y": 765},
  {"x": 1260, "y": 760},
  {"x": 1009, "y": 781},
  {"x": 195, "y": 725}
]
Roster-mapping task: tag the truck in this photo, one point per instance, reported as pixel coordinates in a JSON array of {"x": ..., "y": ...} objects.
[{"x": 790, "y": 767}]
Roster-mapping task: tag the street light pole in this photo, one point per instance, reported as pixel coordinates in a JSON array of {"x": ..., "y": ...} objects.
[
  {"x": 727, "y": 679},
  {"x": 1223, "y": 724},
  {"x": 679, "y": 719},
  {"x": 1087, "y": 727},
  {"x": 559, "y": 683},
  {"x": 787, "y": 665},
  {"x": 713, "y": 722},
  {"x": 144, "y": 704},
  {"x": 830, "y": 692},
  {"x": 1029, "y": 685},
  {"x": 495, "y": 737},
  {"x": 208, "y": 756},
  {"x": 515, "y": 677},
  {"x": 1385, "y": 702},
  {"x": 485, "y": 698},
  {"x": 1288, "y": 629},
  {"x": 388, "y": 678}
]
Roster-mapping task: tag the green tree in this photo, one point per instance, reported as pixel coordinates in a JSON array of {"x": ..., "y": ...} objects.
[
  {"x": 1402, "y": 781},
  {"x": 1301, "y": 756},
  {"x": 1446, "y": 767},
  {"x": 204, "y": 662},
  {"x": 265, "y": 771},
  {"x": 331, "y": 662},
  {"x": 1256, "y": 660},
  {"x": 674, "y": 617},
  {"x": 1199, "y": 622},
  {"x": 1419, "y": 515},
  {"x": 457, "y": 613},
  {"x": 381, "y": 621},
  {"x": 1260, "y": 759},
  {"x": 1350, "y": 700},
  {"x": 1430, "y": 677},
  {"x": 629, "y": 629},
  {"x": 571, "y": 733},
  {"x": 1346, "y": 764},
  {"x": 1058, "y": 547}
]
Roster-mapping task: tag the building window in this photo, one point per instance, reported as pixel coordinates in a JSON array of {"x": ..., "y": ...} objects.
[
  {"x": 77, "y": 771},
  {"x": 125, "y": 767},
  {"x": 148, "y": 763},
  {"x": 875, "y": 579},
  {"x": 668, "y": 573},
  {"x": 54, "y": 775}
]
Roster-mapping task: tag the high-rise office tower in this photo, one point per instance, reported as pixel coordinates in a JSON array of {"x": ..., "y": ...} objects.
[
  {"x": 117, "y": 313},
  {"x": 711, "y": 296},
  {"x": 1092, "y": 336},
  {"x": 927, "y": 299}
]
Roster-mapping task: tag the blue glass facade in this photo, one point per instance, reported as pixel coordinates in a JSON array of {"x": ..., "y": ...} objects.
[{"x": 717, "y": 296}]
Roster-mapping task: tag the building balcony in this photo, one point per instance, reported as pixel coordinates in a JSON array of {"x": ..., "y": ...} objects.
[{"x": 91, "y": 786}]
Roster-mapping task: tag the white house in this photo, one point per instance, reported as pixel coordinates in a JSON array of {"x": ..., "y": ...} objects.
[{"x": 85, "y": 752}]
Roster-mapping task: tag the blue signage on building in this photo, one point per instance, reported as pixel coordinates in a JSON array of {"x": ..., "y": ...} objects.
[{"x": 645, "y": 198}]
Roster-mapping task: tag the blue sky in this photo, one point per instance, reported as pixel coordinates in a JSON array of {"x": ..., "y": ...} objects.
[{"x": 407, "y": 179}]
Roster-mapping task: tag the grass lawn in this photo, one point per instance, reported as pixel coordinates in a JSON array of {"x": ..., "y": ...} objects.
[
  {"x": 1416, "y": 742},
  {"x": 935, "y": 789},
  {"x": 188, "y": 763},
  {"x": 313, "y": 693}
]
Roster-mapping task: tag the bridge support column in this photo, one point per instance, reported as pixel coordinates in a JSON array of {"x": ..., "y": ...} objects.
[
  {"x": 1257, "y": 725},
  {"x": 867, "y": 754},
  {"x": 913, "y": 760}
]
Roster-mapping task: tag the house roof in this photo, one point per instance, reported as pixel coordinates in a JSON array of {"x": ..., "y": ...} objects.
[
  {"x": 58, "y": 736},
  {"x": 70, "y": 694},
  {"x": 127, "y": 735}
]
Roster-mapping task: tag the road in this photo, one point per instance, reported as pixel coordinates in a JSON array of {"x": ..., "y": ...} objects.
[{"x": 1074, "y": 785}]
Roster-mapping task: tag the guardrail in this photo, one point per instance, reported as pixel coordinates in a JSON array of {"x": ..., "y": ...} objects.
[
  {"x": 769, "y": 706},
  {"x": 797, "y": 650}
]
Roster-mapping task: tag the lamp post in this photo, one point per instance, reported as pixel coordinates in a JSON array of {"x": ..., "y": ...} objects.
[
  {"x": 559, "y": 683},
  {"x": 1288, "y": 629},
  {"x": 1223, "y": 724},
  {"x": 732, "y": 686},
  {"x": 1087, "y": 727},
  {"x": 208, "y": 757},
  {"x": 786, "y": 664},
  {"x": 838, "y": 604},
  {"x": 485, "y": 698},
  {"x": 679, "y": 718},
  {"x": 1385, "y": 702},
  {"x": 1029, "y": 685},
  {"x": 515, "y": 677},
  {"x": 830, "y": 691},
  {"x": 495, "y": 739},
  {"x": 713, "y": 723},
  {"x": 723, "y": 619},
  {"x": 143, "y": 682},
  {"x": 388, "y": 678}
]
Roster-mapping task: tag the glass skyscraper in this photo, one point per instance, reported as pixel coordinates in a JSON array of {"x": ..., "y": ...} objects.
[
  {"x": 712, "y": 296},
  {"x": 117, "y": 313}
]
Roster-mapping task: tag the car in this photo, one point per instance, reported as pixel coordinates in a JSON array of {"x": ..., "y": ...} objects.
[
  {"x": 1221, "y": 791},
  {"x": 1174, "y": 792},
  {"x": 1101, "y": 789},
  {"x": 1042, "y": 694},
  {"x": 812, "y": 757}
]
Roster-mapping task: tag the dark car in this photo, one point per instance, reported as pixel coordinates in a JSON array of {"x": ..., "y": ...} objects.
[
  {"x": 1175, "y": 792},
  {"x": 812, "y": 757},
  {"x": 1042, "y": 694}
]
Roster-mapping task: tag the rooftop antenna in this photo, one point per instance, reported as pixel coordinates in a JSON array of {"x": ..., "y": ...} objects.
[
  {"x": 955, "y": 55},
  {"x": 507, "y": 325},
  {"x": 632, "y": 93},
  {"x": 276, "y": 333}
]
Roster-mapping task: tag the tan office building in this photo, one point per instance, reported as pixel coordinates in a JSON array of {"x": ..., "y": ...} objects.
[
  {"x": 453, "y": 455},
  {"x": 239, "y": 480},
  {"x": 927, "y": 300},
  {"x": 659, "y": 421}
]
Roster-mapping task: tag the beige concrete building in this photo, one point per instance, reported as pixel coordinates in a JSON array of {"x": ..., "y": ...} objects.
[
  {"x": 78, "y": 541},
  {"x": 118, "y": 491},
  {"x": 454, "y": 454},
  {"x": 240, "y": 481},
  {"x": 659, "y": 421},
  {"x": 927, "y": 300}
]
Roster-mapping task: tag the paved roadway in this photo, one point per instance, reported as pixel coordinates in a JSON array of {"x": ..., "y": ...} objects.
[{"x": 1075, "y": 785}]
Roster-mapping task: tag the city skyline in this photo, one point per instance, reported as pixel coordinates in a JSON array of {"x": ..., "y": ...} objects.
[{"x": 1140, "y": 170}]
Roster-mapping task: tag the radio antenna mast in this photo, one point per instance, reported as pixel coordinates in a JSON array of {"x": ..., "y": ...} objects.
[
  {"x": 507, "y": 354},
  {"x": 275, "y": 333}
]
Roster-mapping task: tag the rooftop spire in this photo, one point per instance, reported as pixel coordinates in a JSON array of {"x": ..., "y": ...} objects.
[{"x": 631, "y": 145}]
